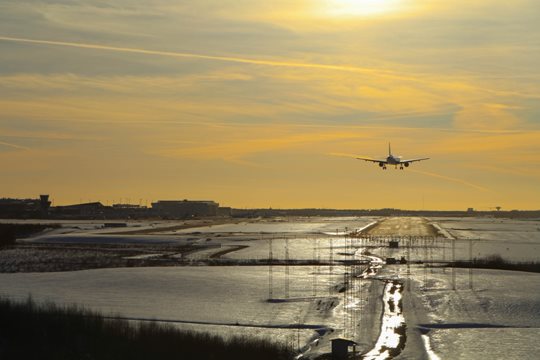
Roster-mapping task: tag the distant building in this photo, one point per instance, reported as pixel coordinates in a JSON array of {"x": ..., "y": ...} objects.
[
  {"x": 25, "y": 208},
  {"x": 93, "y": 210},
  {"x": 181, "y": 209},
  {"x": 128, "y": 211},
  {"x": 224, "y": 211},
  {"x": 126, "y": 206}
]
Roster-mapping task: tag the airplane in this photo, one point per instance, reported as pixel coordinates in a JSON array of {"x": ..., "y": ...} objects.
[{"x": 392, "y": 160}]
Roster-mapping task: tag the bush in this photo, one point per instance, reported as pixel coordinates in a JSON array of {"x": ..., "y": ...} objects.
[
  {"x": 10, "y": 232},
  {"x": 7, "y": 235},
  {"x": 496, "y": 261}
]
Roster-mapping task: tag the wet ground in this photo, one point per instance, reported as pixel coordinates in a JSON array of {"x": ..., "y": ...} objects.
[
  {"x": 439, "y": 309},
  {"x": 403, "y": 226}
]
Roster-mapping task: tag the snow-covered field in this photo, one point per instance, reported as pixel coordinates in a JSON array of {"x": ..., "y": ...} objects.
[
  {"x": 459, "y": 313},
  {"x": 231, "y": 296},
  {"x": 479, "y": 313},
  {"x": 296, "y": 225},
  {"x": 497, "y": 316},
  {"x": 516, "y": 240}
]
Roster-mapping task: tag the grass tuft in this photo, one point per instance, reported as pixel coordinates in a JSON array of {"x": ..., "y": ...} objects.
[
  {"x": 29, "y": 330},
  {"x": 496, "y": 261}
]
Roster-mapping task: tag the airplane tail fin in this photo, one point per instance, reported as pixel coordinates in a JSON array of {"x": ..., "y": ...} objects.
[{"x": 389, "y": 150}]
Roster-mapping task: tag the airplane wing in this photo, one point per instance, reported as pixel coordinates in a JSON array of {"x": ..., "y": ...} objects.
[
  {"x": 372, "y": 160},
  {"x": 413, "y": 160}
]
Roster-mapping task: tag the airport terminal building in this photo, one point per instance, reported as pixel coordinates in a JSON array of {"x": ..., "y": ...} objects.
[
  {"x": 25, "y": 208},
  {"x": 180, "y": 209}
]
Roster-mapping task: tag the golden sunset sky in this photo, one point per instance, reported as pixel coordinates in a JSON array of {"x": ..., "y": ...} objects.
[{"x": 265, "y": 103}]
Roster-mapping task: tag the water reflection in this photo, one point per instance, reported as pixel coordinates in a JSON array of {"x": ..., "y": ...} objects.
[{"x": 393, "y": 328}]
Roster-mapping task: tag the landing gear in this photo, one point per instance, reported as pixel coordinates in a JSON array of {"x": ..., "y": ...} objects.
[{"x": 401, "y": 167}]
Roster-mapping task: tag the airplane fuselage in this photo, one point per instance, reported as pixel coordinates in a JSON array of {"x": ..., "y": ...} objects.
[{"x": 393, "y": 160}]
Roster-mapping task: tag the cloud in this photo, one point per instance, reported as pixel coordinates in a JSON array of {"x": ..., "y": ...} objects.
[
  {"x": 497, "y": 145},
  {"x": 259, "y": 91},
  {"x": 531, "y": 170},
  {"x": 254, "y": 143},
  {"x": 378, "y": 93},
  {"x": 242, "y": 60},
  {"x": 487, "y": 116},
  {"x": 14, "y": 146}
]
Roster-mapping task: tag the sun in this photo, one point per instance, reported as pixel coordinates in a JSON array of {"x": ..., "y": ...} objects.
[{"x": 362, "y": 7}]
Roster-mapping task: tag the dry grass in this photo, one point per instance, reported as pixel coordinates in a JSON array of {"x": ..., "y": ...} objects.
[
  {"x": 32, "y": 331},
  {"x": 498, "y": 262}
]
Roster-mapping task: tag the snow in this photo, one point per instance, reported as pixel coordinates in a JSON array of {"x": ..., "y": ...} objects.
[
  {"x": 516, "y": 240},
  {"x": 209, "y": 295},
  {"x": 84, "y": 238},
  {"x": 494, "y": 343},
  {"x": 498, "y": 317},
  {"x": 490, "y": 312},
  {"x": 303, "y": 225}
]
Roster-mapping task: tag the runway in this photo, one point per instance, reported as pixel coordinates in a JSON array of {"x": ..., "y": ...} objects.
[{"x": 403, "y": 226}]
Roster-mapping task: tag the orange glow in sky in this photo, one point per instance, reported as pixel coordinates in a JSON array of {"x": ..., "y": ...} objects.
[
  {"x": 265, "y": 104},
  {"x": 362, "y": 7}
]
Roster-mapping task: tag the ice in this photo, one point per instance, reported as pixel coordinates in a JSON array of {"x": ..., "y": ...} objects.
[
  {"x": 211, "y": 295},
  {"x": 454, "y": 313},
  {"x": 517, "y": 240},
  {"x": 496, "y": 343},
  {"x": 84, "y": 238},
  {"x": 306, "y": 225},
  {"x": 483, "y": 316}
]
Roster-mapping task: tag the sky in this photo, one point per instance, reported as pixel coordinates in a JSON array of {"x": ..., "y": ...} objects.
[{"x": 266, "y": 103}]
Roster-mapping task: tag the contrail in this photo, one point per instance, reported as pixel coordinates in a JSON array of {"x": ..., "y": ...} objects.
[
  {"x": 205, "y": 57},
  {"x": 15, "y": 146},
  {"x": 459, "y": 181},
  {"x": 343, "y": 155},
  {"x": 287, "y": 64}
]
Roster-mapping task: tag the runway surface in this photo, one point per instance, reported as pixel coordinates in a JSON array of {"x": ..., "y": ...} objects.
[{"x": 403, "y": 226}]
